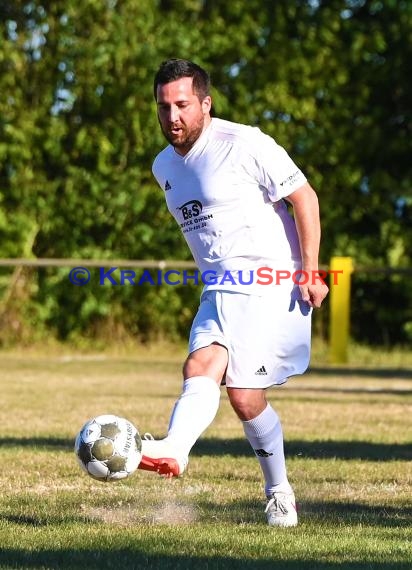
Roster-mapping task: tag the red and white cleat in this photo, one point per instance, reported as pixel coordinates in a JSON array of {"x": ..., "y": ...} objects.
[{"x": 160, "y": 456}]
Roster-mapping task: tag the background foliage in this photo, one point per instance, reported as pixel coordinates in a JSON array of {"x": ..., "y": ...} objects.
[{"x": 78, "y": 134}]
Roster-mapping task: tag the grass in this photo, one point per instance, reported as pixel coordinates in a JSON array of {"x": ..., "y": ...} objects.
[{"x": 348, "y": 446}]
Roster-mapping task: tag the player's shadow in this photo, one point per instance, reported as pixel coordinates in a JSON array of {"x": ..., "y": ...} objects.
[
  {"x": 40, "y": 520},
  {"x": 320, "y": 449},
  {"x": 293, "y": 388},
  {"x": 356, "y": 513},
  {"x": 383, "y": 373},
  {"x": 56, "y": 443},
  {"x": 322, "y": 513},
  {"x": 136, "y": 558}
]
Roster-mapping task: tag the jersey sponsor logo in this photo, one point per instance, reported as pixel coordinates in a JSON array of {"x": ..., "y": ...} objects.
[
  {"x": 261, "y": 371},
  {"x": 290, "y": 179},
  {"x": 262, "y": 453},
  {"x": 191, "y": 209},
  {"x": 168, "y": 186}
]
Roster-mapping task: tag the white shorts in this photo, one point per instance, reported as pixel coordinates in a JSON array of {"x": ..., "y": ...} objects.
[{"x": 267, "y": 337}]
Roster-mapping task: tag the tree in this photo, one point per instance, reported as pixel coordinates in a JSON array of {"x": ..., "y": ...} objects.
[{"x": 78, "y": 133}]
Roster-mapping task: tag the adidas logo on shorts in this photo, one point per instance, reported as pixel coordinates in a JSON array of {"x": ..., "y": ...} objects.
[{"x": 261, "y": 371}]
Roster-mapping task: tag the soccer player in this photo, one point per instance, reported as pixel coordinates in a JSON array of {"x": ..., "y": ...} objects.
[{"x": 227, "y": 186}]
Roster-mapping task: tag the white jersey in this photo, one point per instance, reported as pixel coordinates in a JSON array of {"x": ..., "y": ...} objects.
[{"x": 226, "y": 195}]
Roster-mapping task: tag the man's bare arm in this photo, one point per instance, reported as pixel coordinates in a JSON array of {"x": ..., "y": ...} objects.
[{"x": 305, "y": 205}]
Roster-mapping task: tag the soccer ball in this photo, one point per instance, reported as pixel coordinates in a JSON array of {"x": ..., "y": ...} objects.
[{"x": 108, "y": 448}]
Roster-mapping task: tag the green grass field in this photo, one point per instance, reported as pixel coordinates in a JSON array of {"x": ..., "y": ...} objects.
[{"x": 348, "y": 444}]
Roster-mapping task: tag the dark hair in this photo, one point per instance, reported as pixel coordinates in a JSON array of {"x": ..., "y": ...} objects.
[{"x": 174, "y": 69}]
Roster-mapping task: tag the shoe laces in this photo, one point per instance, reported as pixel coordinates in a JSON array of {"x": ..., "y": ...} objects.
[{"x": 277, "y": 504}]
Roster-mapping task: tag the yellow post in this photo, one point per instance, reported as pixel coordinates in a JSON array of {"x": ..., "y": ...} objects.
[{"x": 340, "y": 271}]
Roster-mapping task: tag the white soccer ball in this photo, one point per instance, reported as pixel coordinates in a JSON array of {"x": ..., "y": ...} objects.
[{"x": 108, "y": 448}]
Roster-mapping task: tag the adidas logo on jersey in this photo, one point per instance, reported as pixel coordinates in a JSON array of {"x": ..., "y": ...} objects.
[
  {"x": 167, "y": 186},
  {"x": 261, "y": 371}
]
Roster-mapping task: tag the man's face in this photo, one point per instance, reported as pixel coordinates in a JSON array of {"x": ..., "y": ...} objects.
[{"x": 182, "y": 116}]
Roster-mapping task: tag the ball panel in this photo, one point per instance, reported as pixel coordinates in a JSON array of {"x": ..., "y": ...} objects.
[
  {"x": 90, "y": 431},
  {"x": 116, "y": 463},
  {"x": 132, "y": 462},
  {"x": 102, "y": 449},
  {"x": 110, "y": 430},
  {"x": 118, "y": 475},
  {"x": 138, "y": 442},
  {"x": 84, "y": 452},
  {"x": 98, "y": 470}
]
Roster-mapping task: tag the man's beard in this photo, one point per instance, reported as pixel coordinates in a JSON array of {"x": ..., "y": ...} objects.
[{"x": 184, "y": 141}]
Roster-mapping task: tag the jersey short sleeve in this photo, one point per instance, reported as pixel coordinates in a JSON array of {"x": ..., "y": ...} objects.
[{"x": 276, "y": 171}]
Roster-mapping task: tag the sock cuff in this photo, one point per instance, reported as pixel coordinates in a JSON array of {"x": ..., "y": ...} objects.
[
  {"x": 262, "y": 424},
  {"x": 200, "y": 384}
]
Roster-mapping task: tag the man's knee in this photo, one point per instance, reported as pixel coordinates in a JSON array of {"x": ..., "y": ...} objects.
[
  {"x": 247, "y": 403},
  {"x": 209, "y": 361}
]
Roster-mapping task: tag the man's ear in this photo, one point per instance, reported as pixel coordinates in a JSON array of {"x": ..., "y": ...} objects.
[{"x": 207, "y": 104}]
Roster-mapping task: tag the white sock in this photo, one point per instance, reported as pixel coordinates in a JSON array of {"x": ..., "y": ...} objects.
[
  {"x": 266, "y": 438},
  {"x": 194, "y": 411}
]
